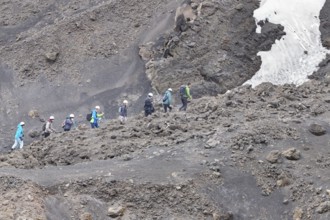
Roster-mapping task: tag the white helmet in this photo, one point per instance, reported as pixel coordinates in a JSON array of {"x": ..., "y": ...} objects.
[
  {"x": 97, "y": 107},
  {"x": 71, "y": 116},
  {"x": 125, "y": 102},
  {"x": 150, "y": 94},
  {"x": 170, "y": 90},
  {"x": 22, "y": 123},
  {"x": 51, "y": 117}
]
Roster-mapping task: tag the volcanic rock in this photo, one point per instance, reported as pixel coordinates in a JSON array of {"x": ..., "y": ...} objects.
[
  {"x": 273, "y": 156},
  {"x": 292, "y": 154},
  {"x": 317, "y": 129},
  {"x": 323, "y": 207},
  {"x": 116, "y": 211}
]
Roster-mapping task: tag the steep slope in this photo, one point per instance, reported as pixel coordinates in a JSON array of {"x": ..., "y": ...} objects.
[
  {"x": 60, "y": 57},
  {"x": 252, "y": 153},
  {"x": 67, "y": 56}
]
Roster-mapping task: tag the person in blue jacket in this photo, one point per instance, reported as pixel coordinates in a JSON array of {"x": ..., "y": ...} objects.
[
  {"x": 96, "y": 116},
  {"x": 68, "y": 123},
  {"x": 19, "y": 136},
  {"x": 167, "y": 100}
]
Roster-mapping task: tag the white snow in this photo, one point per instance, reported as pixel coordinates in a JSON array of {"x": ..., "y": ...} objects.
[{"x": 287, "y": 62}]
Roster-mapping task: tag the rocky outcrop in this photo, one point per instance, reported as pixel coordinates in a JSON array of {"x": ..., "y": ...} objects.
[{"x": 210, "y": 51}]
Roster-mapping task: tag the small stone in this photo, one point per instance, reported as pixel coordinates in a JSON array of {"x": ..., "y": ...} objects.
[
  {"x": 297, "y": 214},
  {"x": 283, "y": 182},
  {"x": 285, "y": 201},
  {"x": 319, "y": 190},
  {"x": 191, "y": 44},
  {"x": 273, "y": 156},
  {"x": 92, "y": 17},
  {"x": 86, "y": 216},
  {"x": 33, "y": 113},
  {"x": 116, "y": 211},
  {"x": 239, "y": 7},
  {"x": 317, "y": 129},
  {"x": 51, "y": 56},
  {"x": 292, "y": 154},
  {"x": 127, "y": 158},
  {"x": 30, "y": 198},
  {"x": 216, "y": 216},
  {"x": 211, "y": 143},
  {"x": 249, "y": 149},
  {"x": 34, "y": 134}
]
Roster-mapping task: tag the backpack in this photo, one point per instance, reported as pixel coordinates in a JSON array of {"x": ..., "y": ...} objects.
[
  {"x": 44, "y": 127},
  {"x": 182, "y": 90},
  {"x": 165, "y": 97},
  {"x": 119, "y": 110},
  {"x": 89, "y": 117}
]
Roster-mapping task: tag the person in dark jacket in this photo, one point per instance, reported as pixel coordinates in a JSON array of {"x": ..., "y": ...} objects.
[
  {"x": 19, "y": 136},
  {"x": 123, "y": 112},
  {"x": 68, "y": 123},
  {"x": 167, "y": 100},
  {"x": 185, "y": 96},
  {"x": 148, "y": 105}
]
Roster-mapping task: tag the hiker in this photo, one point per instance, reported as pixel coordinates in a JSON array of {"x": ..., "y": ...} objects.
[
  {"x": 19, "y": 136},
  {"x": 68, "y": 122},
  {"x": 167, "y": 100},
  {"x": 96, "y": 117},
  {"x": 48, "y": 127},
  {"x": 184, "y": 95},
  {"x": 123, "y": 112},
  {"x": 148, "y": 105}
]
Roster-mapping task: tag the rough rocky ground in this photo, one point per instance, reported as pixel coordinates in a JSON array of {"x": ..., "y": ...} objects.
[
  {"x": 267, "y": 147},
  {"x": 257, "y": 153}
]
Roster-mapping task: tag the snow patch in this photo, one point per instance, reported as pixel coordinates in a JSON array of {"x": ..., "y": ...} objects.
[{"x": 299, "y": 52}]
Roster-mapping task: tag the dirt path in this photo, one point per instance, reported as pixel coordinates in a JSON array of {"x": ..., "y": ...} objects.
[{"x": 156, "y": 165}]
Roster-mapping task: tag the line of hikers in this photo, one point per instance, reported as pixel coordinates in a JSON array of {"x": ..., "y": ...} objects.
[
  {"x": 184, "y": 93},
  {"x": 96, "y": 115}
]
